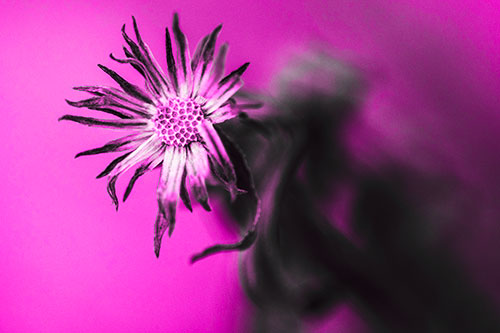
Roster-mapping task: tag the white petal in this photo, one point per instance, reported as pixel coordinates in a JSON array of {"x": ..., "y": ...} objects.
[{"x": 174, "y": 162}]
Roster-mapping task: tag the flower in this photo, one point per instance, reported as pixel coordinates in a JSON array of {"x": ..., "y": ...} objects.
[{"x": 172, "y": 121}]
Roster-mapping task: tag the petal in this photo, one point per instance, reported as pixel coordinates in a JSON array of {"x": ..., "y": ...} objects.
[
  {"x": 220, "y": 162},
  {"x": 150, "y": 83},
  {"x": 225, "y": 112},
  {"x": 184, "y": 193},
  {"x": 144, "y": 152},
  {"x": 197, "y": 170},
  {"x": 219, "y": 93},
  {"x": 148, "y": 165},
  {"x": 111, "y": 97},
  {"x": 172, "y": 70},
  {"x": 112, "y": 165},
  {"x": 138, "y": 172},
  {"x": 142, "y": 53},
  {"x": 112, "y": 190},
  {"x": 128, "y": 87},
  {"x": 125, "y": 143},
  {"x": 164, "y": 219},
  {"x": 204, "y": 64},
  {"x": 184, "y": 72},
  {"x": 198, "y": 52},
  {"x": 122, "y": 123},
  {"x": 216, "y": 72},
  {"x": 174, "y": 163},
  {"x": 129, "y": 55},
  {"x": 100, "y": 104}
]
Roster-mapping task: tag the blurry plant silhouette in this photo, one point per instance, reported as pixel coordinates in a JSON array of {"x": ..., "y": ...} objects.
[{"x": 391, "y": 268}]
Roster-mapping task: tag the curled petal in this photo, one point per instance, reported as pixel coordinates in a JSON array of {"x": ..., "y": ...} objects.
[{"x": 112, "y": 190}]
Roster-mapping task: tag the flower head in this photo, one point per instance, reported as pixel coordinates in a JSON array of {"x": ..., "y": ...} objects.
[{"x": 172, "y": 120}]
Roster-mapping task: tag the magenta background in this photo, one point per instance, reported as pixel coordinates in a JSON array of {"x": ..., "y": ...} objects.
[{"x": 68, "y": 262}]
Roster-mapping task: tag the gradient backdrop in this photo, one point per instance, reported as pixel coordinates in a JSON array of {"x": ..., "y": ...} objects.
[{"x": 69, "y": 262}]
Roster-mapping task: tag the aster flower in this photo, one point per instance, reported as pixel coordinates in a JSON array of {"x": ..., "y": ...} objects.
[{"x": 172, "y": 120}]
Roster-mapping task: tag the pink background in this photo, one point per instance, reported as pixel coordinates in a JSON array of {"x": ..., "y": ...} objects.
[{"x": 69, "y": 262}]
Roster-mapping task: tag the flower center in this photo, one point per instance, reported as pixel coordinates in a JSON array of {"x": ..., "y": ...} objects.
[{"x": 177, "y": 123}]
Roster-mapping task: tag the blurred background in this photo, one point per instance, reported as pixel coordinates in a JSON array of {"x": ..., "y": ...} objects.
[{"x": 375, "y": 156}]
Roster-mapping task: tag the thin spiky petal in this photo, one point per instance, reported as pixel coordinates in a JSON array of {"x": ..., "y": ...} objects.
[
  {"x": 138, "y": 172},
  {"x": 112, "y": 165},
  {"x": 108, "y": 105},
  {"x": 97, "y": 103},
  {"x": 184, "y": 59},
  {"x": 236, "y": 73},
  {"x": 197, "y": 170},
  {"x": 128, "y": 87},
  {"x": 226, "y": 88},
  {"x": 168, "y": 191},
  {"x": 198, "y": 52},
  {"x": 201, "y": 73},
  {"x": 141, "y": 52},
  {"x": 147, "y": 150},
  {"x": 184, "y": 193},
  {"x": 125, "y": 143},
  {"x": 113, "y": 98},
  {"x": 122, "y": 123},
  {"x": 172, "y": 171},
  {"x": 220, "y": 162},
  {"x": 150, "y": 82},
  {"x": 164, "y": 220},
  {"x": 199, "y": 191},
  {"x": 129, "y": 55},
  {"x": 227, "y": 111},
  {"x": 217, "y": 70},
  {"x": 151, "y": 63},
  {"x": 172, "y": 70}
]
